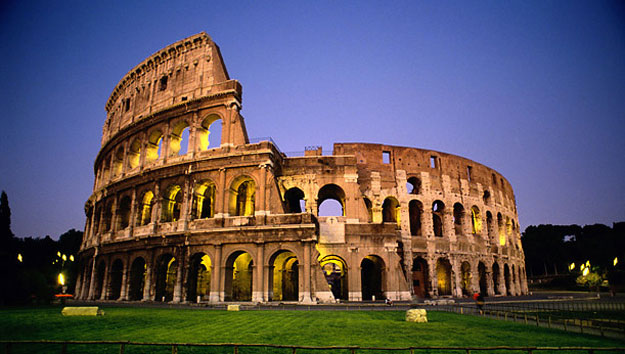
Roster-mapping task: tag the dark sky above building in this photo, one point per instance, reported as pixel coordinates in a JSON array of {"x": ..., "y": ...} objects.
[{"x": 533, "y": 89}]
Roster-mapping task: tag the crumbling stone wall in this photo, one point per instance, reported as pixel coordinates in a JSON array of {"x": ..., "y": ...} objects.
[{"x": 174, "y": 211}]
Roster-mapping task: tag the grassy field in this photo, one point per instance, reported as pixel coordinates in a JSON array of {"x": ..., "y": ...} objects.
[{"x": 306, "y": 328}]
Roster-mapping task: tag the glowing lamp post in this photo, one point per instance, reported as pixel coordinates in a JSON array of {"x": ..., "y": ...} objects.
[{"x": 62, "y": 282}]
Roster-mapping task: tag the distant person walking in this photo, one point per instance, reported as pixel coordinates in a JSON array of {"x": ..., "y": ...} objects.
[{"x": 479, "y": 301}]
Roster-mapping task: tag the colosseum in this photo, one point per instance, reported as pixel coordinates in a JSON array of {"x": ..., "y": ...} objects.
[{"x": 186, "y": 208}]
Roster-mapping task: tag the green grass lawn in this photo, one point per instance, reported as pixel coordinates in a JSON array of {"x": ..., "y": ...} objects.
[{"x": 306, "y": 328}]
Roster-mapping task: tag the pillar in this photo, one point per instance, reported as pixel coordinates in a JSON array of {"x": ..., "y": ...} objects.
[
  {"x": 217, "y": 293},
  {"x": 259, "y": 281}
]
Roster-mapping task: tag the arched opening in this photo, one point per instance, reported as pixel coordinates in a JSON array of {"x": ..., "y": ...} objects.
[
  {"x": 415, "y": 209},
  {"x": 145, "y": 209},
  {"x": 335, "y": 272},
  {"x": 489, "y": 226},
  {"x": 284, "y": 278},
  {"x": 496, "y": 278},
  {"x": 137, "y": 279},
  {"x": 486, "y": 197},
  {"x": 438, "y": 209},
  {"x": 99, "y": 280},
  {"x": 501, "y": 230},
  {"x": 209, "y": 134},
  {"x": 391, "y": 211},
  {"x": 294, "y": 200},
  {"x": 108, "y": 217},
  {"x": 420, "y": 277},
  {"x": 476, "y": 221},
  {"x": 458, "y": 218},
  {"x": 124, "y": 212},
  {"x": 372, "y": 278},
  {"x": 483, "y": 282},
  {"x": 514, "y": 279},
  {"x": 154, "y": 147},
  {"x": 443, "y": 275},
  {"x": 179, "y": 139},
  {"x": 369, "y": 207},
  {"x": 465, "y": 270},
  {"x": 506, "y": 277},
  {"x": 242, "y": 196},
  {"x": 203, "y": 200},
  {"x": 508, "y": 226},
  {"x": 166, "y": 274},
  {"x": 239, "y": 277},
  {"x": 106, "y": 169},
  {"x": 331, "y": 201},
  {"x": 413, "y": 185},
  {"x": 134, "y": 153},
  {"x": 172, "y": 203},
  {"x": 115, "y": 281},
  {"x": 118, "y": 161},
  {"x": 199, "y": 278}
]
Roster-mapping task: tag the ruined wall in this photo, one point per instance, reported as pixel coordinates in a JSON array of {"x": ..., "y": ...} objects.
[{"x": 185, "y": 208}]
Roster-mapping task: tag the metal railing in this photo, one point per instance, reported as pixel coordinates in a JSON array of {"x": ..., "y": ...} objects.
[{"x": 62, "y": 347}]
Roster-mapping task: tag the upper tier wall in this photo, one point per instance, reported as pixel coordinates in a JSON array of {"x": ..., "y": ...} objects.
[{"x": 183, "y": 71}]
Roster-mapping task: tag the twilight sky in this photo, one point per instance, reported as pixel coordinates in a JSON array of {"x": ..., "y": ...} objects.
[{"x": 533, "y": 89}]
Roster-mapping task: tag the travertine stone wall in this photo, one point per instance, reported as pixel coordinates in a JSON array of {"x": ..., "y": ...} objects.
[{"x": 178, "y": 215}]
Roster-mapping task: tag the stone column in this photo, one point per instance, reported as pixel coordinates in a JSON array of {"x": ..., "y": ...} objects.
[
  {"x": 305, "y": 296},
  {"x": 433, "y": 275},
  {"x": 216, "y": 294},
  {"x": 123, "y": 294},
  {"x": 179, "y": 274},
  {"x": 147, "y": 285},
  {"x": 133, "y": 211},
  {"x": 221, "y": 195},
  {"x": 156, "y": 206},
  {"x": 105, "y": 288},
  {"x": 259, "y": 281},
  {"x": 456, "y": 276},
  {"x": 260, "y": 208}
]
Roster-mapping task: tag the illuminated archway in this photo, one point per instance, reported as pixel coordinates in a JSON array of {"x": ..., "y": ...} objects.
[
  {"x": 372, "y": 277},
  {"x": 501, "y": 230},
  {"x": 209, "y": 135},
  {"x": 179, "y": 139},
  {"x": 476, "y": 221},
  {"x": 166, "y": 274},
  {"x": 137, "y": 279},
  {"x": 284, "y": 277},
  {"x": 172, "y": 203},
  {"x": 144, "y": 214},
  {"x": 239, "y": 277},
  {"x": 134, "y": 153},
  {"x": 443, "y": 275},
  {"x": 154, "y": 146},
  {"x": 242, "y": 196},
  {"x": 335, "y": 272},
  {"x": 203, "y": 200},
  {"x": 420, "y": 277},
  {"x": 199, "y": 278}
]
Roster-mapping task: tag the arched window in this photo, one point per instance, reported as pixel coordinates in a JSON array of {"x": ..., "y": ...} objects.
[
  {"x": 179, "y": 139},
  {"x": 204, "y": 200},
  {"x": 209, "y": 134},
  {"x": 369, "y": 207},
  {"x": 458, "y": 218},
  {"x": 413, "y": 185},
  {"x": 486, "y": 197},
  {"x": 294, "y": 200},
  {"x": 489, "y": 225},
  {"x": 155, "y": 143},
  {"x": 438, "y": 208},
  {"x": 391, "y": 211},
  {"x": 134, "y": 153},
  {"x": 144, "y": 214},
  {"x": 415, "y": 209},
  {"x": 501, "y": 230},
  {"x": 172, "y": 203},
  {"x": 331, "y": 201},
  {"x": 476, "y": 220},
  {"x": 108, "y": 217},
  {"x": 118, "y": 161},
  {"x": 124, "y": 212},
  {"x": 242, "y": 196}
]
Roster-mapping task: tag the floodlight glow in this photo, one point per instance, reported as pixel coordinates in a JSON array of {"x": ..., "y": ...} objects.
[
  {"x": 572, "y": 266},
  {"x": 64, "y": 257},
  {"x": 71, "y": 257},
  {"x": 586, "y": 271},
  {"x": 58, "y": 254},
  {"x": 615, "y": 261},
  {"x": 19, "y": 257},
  {"x": 61, "y": 279}
]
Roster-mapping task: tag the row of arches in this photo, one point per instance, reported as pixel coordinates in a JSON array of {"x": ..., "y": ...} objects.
[
  {"x": 488, "y": 280},
  {"x": 179, "y": 139}
]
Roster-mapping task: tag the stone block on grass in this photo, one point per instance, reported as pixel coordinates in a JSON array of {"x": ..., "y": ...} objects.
[
  {"x": 82, "y": 311},
  {"x": 416, "y": 315},
  {"x": 234, "y": 307}
]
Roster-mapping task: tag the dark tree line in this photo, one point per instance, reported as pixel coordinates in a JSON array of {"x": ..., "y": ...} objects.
[
  {"x": 30, "y": 267},
  {"x": 550, "y": 249}
]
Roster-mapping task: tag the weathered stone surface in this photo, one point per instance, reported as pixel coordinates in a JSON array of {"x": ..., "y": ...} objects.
[
  {"x": 416, "y": 315},
  {"x": 235, "y": 307},
  {"x": 82, "y": 311},
  {"x": 177, "y": 215}
]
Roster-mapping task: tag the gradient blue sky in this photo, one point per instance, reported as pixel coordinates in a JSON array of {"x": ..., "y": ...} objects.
[{"x": 533, "y": 89}]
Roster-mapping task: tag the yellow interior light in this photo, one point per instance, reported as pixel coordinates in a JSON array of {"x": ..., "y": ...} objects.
[
  {"x": 61, "y": 279},
  {"x": 19, "y": 257},
  {"x": 71, "y": 257},
  {"x": 586, "y": 271},
  {"x": 572, "y": 266},
  {"x": 58, "y": 254},
  {"x": 615, "y": 261},
  {"x": 64, "y": 257}
]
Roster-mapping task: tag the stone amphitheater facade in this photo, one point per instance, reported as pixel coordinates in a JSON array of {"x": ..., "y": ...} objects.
[{"x": 185, "y": 208}]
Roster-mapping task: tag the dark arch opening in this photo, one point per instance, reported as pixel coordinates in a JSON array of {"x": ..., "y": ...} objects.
[
  {"x": 443, "y": 275},
  {"x": 294, "y": 199},
  {"x": 438, "y": 208},
  {"x": 117, "y": 270},
  {"x": 371, "y": 278},
  {"x": 137, "y": 279},
  {"x": 420, "y": 277},
  {"x": 199, "y": 278},
  {"x": 335, "y": 272},
  {"x": 166, "y": 275},
  {"x": 415, "y": 209},
  {"x": 284, "y": 278},
  {"x": 481, "y": 269}
]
